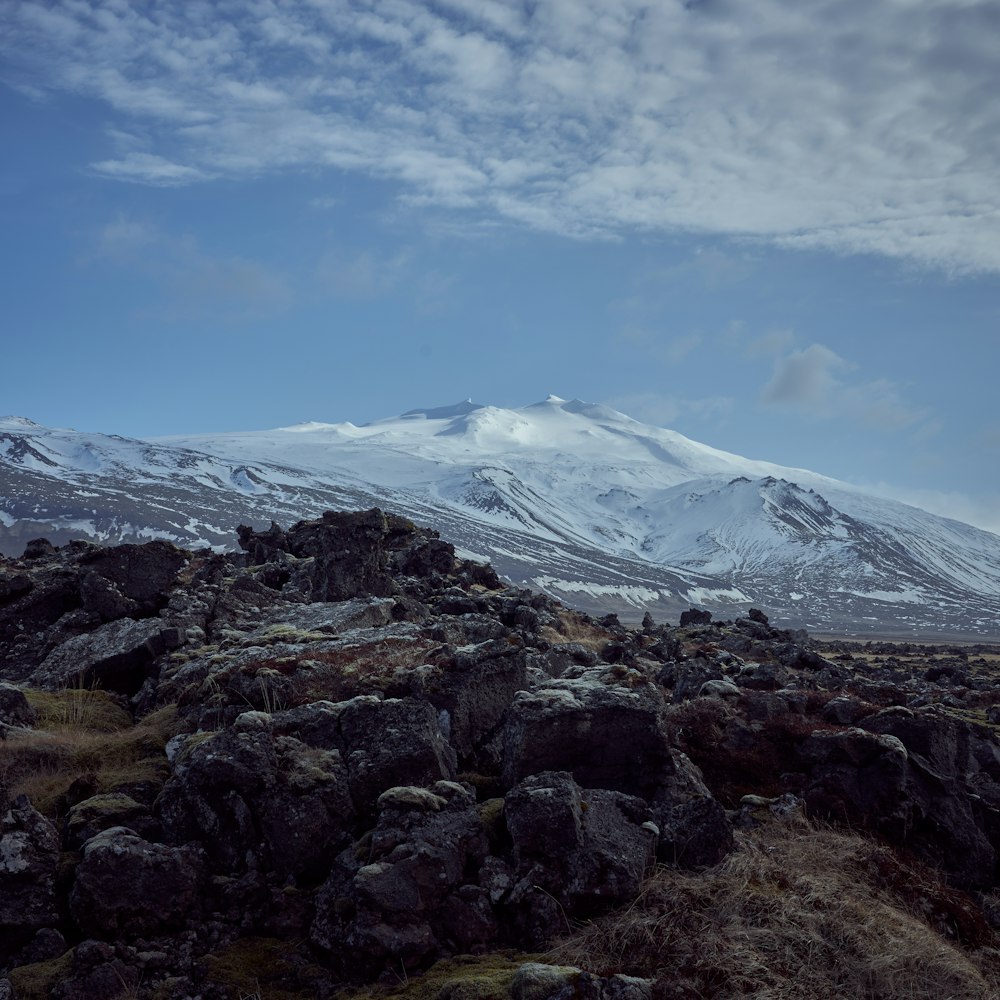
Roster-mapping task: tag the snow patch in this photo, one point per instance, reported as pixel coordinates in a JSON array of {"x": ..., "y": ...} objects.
[
  {"x": 706, "y": 595},
  {"x": 636, "y": 596}
]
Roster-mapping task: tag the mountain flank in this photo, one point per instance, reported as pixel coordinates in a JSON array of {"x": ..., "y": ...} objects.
[
  {"x": 569, "y": 498},
  {"x": 344, "y": 761}
]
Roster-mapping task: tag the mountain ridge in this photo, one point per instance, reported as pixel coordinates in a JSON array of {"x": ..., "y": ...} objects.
[{"x": 563, "y": 495}]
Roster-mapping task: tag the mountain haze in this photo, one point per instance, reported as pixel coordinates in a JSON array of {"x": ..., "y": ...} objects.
[{"x": 570, "y": 497}]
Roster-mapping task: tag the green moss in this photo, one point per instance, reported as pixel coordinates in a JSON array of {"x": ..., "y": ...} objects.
[
  {"x": 466, "y": 977},
  {"x": 35, "y": 982},
  {"x": 265, "y": 965}
]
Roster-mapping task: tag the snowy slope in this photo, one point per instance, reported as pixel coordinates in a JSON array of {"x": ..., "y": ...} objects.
[{"x": 572, "y": 497}]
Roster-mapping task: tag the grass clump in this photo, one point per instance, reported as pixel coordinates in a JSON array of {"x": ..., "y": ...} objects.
[
  {"x": 573, "y": 627},
  {"x": 465, "y": 977},
  {"x": 266, "y": 966},
  {"x": 794, "y": 912},
  {"x": 36, "y": 981},
  {"x": 83, "y": 738}
]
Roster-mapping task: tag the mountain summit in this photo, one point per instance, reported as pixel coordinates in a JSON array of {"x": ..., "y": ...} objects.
[{"x": 570, "y": 497}]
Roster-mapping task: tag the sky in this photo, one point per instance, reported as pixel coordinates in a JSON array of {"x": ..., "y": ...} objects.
[{"x": 773, "y": 227}]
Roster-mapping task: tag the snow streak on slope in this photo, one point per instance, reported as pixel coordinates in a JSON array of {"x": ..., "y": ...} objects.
[{"x": 570, "y": 496}]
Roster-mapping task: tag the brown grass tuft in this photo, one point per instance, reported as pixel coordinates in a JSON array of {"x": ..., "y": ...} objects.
[
  {"x": 85, "y": 737},
  {"x": 792, "y": 913},
  {"x": 573, "y": 627}
]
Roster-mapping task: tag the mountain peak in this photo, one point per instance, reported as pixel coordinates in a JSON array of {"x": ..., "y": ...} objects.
[
  {"x": 16, "y": 423},
  {"x": 445, "y": 412}
]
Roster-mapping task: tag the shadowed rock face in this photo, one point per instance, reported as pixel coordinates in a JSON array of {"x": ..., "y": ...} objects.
[{"x": 383, "y": 756}]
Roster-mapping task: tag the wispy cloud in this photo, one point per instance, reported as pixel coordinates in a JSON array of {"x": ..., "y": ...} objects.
[
  {"x": 660, "y": 347},
  {"x": 193, "y": 282},
  {"x": 360, "y": 274},
  {"x": 147, "y": 168},
  {"x": 838, "y": 124}
]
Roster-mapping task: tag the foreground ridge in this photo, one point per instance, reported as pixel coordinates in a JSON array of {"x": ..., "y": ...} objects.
[{"x": 346, "y": 757}]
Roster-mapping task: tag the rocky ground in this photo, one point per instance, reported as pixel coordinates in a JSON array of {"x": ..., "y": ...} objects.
[{"x": 343, "y": 757}]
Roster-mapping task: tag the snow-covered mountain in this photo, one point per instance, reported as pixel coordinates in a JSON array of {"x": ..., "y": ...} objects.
[{"x": 570, "y": 497}]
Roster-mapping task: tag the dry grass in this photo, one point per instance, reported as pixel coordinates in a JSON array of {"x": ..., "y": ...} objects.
[
  {"x": 574, "y": 628},
  {"x": 83, "y": 736},
  {"x": 795, "y": 912}
]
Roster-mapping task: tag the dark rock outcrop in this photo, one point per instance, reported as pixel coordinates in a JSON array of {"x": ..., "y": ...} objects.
[
  {"x": 29, "y": 856},
  {"x": 382, "y": 757}
]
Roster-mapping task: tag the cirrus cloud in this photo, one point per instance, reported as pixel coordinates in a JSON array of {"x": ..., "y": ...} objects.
[{"x": 837, "y": 125}]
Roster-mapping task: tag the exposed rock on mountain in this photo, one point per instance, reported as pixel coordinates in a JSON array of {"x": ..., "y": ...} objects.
[{"x": 344, "y": 754}]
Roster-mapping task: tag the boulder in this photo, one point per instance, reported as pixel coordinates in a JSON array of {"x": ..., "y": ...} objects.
[
  {"x": 412, "y": 895},
  {"x": 694, "y": 830},
  {"x": 258, "y": 800},
  {"x": 695, "y": 616},
  {"x": 97, "y": 973},
  {"x": 586, "y": 849},
  {"x": 29, "y": 856},
  {"x": 390, "y": 742},
  {"x": 126, "y": 886},
  {"x": 117, "y": 656},
  {"x": 604, "y": 728},
  {"x": 472, "y": 690},
  {"x": 101, "y": 812},
  {"x": 14, "y": 707}
]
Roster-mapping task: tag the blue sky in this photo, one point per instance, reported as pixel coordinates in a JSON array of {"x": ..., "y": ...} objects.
[{"x": 774, "y": 227}]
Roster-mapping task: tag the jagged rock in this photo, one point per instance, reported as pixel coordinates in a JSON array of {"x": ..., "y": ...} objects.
[
  {"x": 52, "y": 595},
  {"x": 694, "y": 830},
  {"x": 695, "y": 616},
  {"x": 14, "y": 707},
  {"x": 603, "y": 729},
  {"x": 472, "y": 690},
  {"x": 589, "y": 849},
  {"x": 127, "y": 886},
  {"x": 414, "y": 896},
  {"x": 259, "y": 800},
  {"x": 944, "y": 822},
  {"x": 96, "y": 973},
  {"x": 117, "y": 656},
  {"x": 350, "y": 553},
  {"x": 29, "y": 856}
]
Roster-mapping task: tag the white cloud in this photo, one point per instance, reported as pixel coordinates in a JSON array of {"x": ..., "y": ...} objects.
[
  {"x": 807, "y": 378},
  {"x": 147, "y": 168},
  {"x": 818, "y": 381},
  {"x": 839, "y": 124}
]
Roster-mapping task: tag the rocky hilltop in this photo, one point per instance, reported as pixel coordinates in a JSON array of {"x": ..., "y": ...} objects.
[{"x": 344, "y": 761}]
